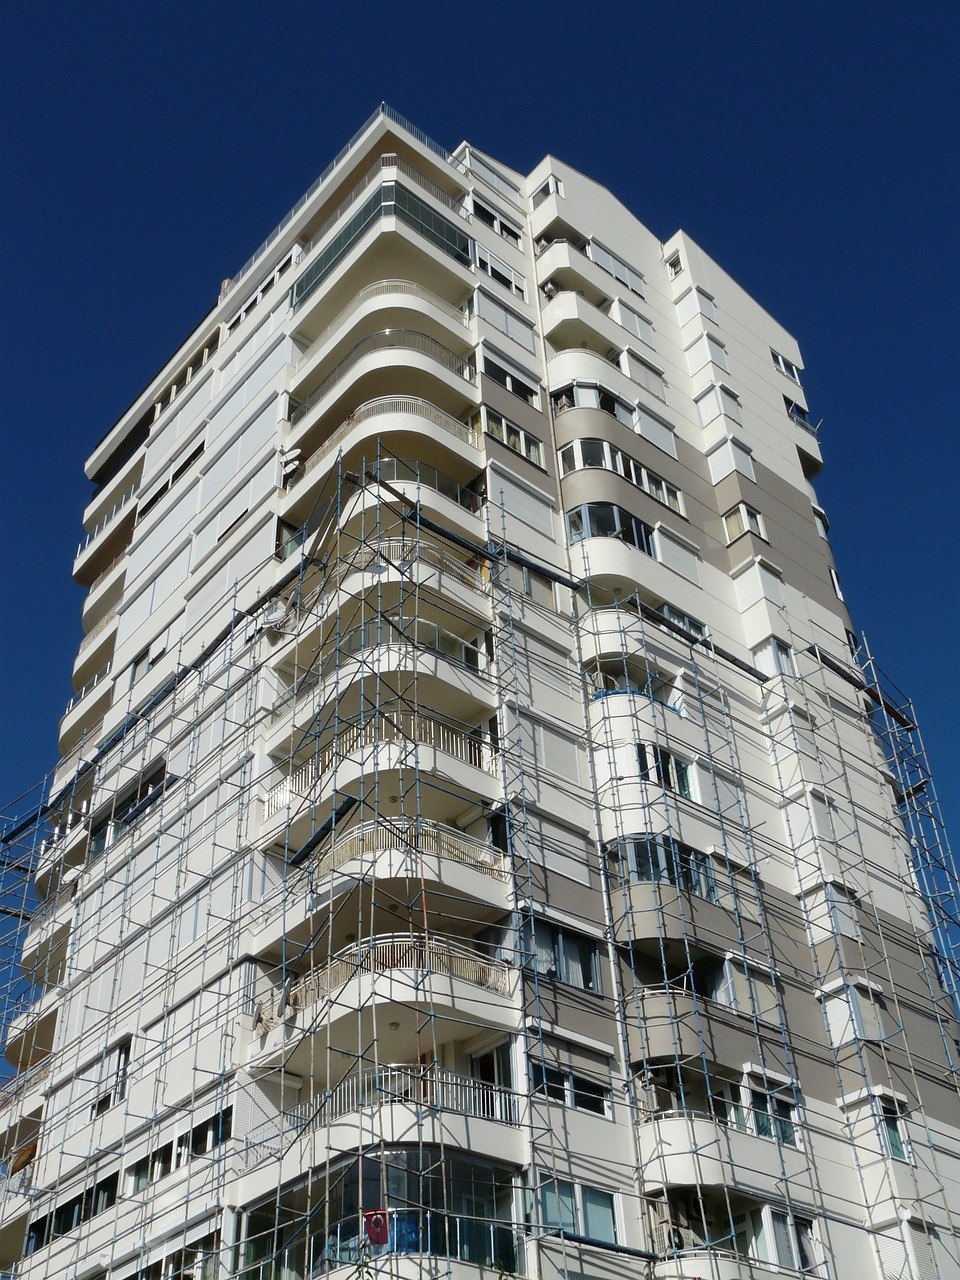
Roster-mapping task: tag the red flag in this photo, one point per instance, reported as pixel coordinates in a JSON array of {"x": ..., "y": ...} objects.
[{"x": 375, "y": 1225}]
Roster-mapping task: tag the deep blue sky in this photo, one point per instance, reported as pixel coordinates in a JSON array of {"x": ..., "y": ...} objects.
[{"x": 811, "y": 149}]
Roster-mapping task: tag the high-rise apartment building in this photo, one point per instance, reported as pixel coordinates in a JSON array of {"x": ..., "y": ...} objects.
[{"x": 481, "y": 845}]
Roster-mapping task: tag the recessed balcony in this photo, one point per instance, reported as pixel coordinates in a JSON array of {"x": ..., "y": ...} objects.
[
  {"x": 387, "y": 302},
  {"x": 107, "y": 539},
  {"x": 382, "y": 982},
  {"x": 391, "y": 361},
  {"x": 383, "y": 741},
  {"x": 395, "y": 1103}
]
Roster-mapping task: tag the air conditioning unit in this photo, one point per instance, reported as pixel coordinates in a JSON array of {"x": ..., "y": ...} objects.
[{"x": 670, "y": 1239}]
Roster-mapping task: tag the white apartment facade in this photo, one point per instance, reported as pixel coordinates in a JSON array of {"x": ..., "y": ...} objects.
[{"x": 479, "y": 846}]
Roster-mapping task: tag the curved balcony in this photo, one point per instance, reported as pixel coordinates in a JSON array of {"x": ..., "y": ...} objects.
[
  {"x": 688, "y": 1148},
  {"x": 105, "y": 541},
  {"x": 410, "y": 341},
  {"x": 412, "y": 1233},
  {"x": 376, "y": 987},
  {"x": 416, "y": 1089},
  {"x": 30, "y": 1032},
  {"x": 86, "y": 708},
  {"x": 668, "y": 1021},
  {"x": 421, "y": 836},
  {"x": 449, "y": 957},
  {"x": 396, "y": 294},
  {"x": 403, "y": 728},
  {"x": 700, "y": 1262}
]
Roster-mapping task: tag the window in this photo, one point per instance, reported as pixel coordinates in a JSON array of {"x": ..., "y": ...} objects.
[
  {"x": 774, "y": 657},
  {"x": 615, "y": 267},
  {"x": 660, "y": 766},
  {"x": 835, "y": 580},
  {"x": 497, "y": 222},
  {"x": 72, "y": 1213},
  {"x": 633, "y": 322},
  {"x": 772, "y": 1116},
  {"x": 649, "y": 377},
  {"x": 501, "y": 272},
  {"x": 719, "y": 401},
  {"x": 523, "y": 385},
  {"x": 570, "y": 1088},
  {"x": 505, "y": 321},
  {"x": 604, "y": 520},
  {"x": 512, "y": 436},
  {"x": 568, "y": 957},
  {"x": 114, "y": 1070},
  {"x": 538, "y": 587},
  {"x": 663, "y": 859},
  {"x": 779, "y": 1237},
  {"x": 745, "y": 988},
  {"x": 589, "y": 452},
  {"x": 754, "y": 1108},
  {"x": 590, "y": 395},
  {"x": 692, "y": 626},
  {"x": 820, "y": 520},
  {"x": 889, "y": 1119},
  {"x": 674, "y": 266},
  {"x": 785, "y": 366},
  {"x": 552, "y": 187},
  {"x": 742, "y": 519},
  {"x": 198, "y": 1141},
  {"x": 579, "y": 1210},
  {"x": 855, "y": 1012},
  {"x": 796, "y": 411},
  {"x": 131, "y": 803}
]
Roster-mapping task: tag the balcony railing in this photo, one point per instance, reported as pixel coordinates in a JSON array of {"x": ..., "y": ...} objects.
[
  {"x": 104, "y": 573},
  {"x": 382, "y": 110},
  {"x": 389, "y": 405},
  {"x": 448, "y": 957},
  {"x": 422, "y": 836},
  {"x": 403, "y": 1084},
  {"x": 383, "y": 289},
  {"x": 106, "y": 621},
  {"x": 79, "y": 696},
  {"x": 408, "y": 727},
  {"x": 813, "y": 428},
  {"x": 418, "y": 633},
  {"x": 122, "y": 502},
  {"x": 385, "y": 340}
]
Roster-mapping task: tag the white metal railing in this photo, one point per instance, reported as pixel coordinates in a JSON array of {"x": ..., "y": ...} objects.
[
  {"x": 419, "y": 835},
  {"x": 449, "y": 957},
  {"x": 382, "y": 110},
  {"x": 389, "y": 405},
  {"x": 384, "y": 340},
  {"x": 114, "y": 511},
  {"x": 88, "y": 687},
  {"x": 382, "y": 289},
  {"x": 107, "y": 620},
  {"x": 371, "y": 731},
  {"x": 404, "y": 1084}
]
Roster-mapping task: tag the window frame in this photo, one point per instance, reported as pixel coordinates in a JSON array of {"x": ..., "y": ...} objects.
[
  {"x": 786, "y": 367},
  {"x": 750, "y": 519},
  {"x": 512, "y": 374},
  {"x": 501, "y": 429},
  {"x": 559, "y": 945},
  {"x": 498, "y": 222},
  {"x": 622, "y": 464},
  {"x": 574, "y": 1196}
]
